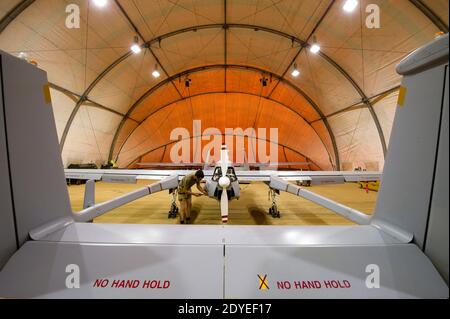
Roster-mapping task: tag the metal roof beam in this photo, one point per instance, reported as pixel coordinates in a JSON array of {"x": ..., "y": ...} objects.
[
  {"x": 327, "y": 10},
  {"x": 356, "y": 106},
  {"x": 430, "y": 14},
  {"x": 75, "y": 97},
  {"x": 14, "y": 13}
]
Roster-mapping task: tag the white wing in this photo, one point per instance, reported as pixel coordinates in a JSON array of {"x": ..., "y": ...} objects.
[{"x": 131, "y": 175}]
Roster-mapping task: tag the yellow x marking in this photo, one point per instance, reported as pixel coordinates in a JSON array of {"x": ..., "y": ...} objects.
[{"x": 263, "y": 283}]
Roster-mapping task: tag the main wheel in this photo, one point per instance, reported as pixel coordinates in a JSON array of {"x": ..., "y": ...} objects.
[{"x": 275, "y": 212}]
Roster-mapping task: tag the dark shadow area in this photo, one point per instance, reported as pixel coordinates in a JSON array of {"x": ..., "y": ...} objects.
[
  {"x": 258, "y": 215},
  {"x": 195, "y": 211}
]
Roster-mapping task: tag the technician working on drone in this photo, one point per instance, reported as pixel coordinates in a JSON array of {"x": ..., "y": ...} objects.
[{"x": 185, "y": 194}]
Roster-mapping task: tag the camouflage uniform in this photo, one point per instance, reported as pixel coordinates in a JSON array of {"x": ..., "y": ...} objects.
[{"x": 185, "y": 186}]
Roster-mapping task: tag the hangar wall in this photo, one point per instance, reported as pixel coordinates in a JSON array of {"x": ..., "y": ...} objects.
[{"x": 78, "y": 60}]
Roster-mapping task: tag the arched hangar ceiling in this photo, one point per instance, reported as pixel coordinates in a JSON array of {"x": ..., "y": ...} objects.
[{"x": 337, "y": 113}]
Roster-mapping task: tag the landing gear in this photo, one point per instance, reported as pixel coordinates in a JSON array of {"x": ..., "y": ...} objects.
[
  {"x": 273, "y": 211},
  {"x": 173, "y": 212}
]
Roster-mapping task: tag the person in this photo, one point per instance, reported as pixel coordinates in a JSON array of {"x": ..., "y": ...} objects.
[{"x": 185, "y": 194}]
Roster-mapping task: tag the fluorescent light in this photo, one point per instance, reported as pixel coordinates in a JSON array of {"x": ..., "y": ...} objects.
[
  {"x": 156, "y": 74},
  {"x": 295, "y": 72},
  {"x": 23, "y": 55},
  {"x": 100, "y": 3},
  {"x": 350, "y": 5},
  {"x": 136, "y": 48},
  {"x": 315, "y": 48}
]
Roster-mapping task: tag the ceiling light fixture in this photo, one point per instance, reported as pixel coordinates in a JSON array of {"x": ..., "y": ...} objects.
[
  {"x": 295, "y": 72},
  {"x": 136, "y": 48},
  {"x": 315, "y": 47},
  {"x": 350, "y": 5},
  {"x": 264, "y": 81},
  {"x": 155, "y": 72},
  {"x": 187, "y": 82},
  {"x": 100, "y": 3},
  {"x": 23, "y": 56}
]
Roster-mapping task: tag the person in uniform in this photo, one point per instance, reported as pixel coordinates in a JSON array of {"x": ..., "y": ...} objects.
[{"x": 185, "y": 194}]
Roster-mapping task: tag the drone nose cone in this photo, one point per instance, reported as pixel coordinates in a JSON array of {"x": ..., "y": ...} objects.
[{"x": 224, "y": 182}]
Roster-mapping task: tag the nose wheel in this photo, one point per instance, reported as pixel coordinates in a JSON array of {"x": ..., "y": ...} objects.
[
  {"x": 273, "y": 210},
  {"x": 173, "y": 212}
]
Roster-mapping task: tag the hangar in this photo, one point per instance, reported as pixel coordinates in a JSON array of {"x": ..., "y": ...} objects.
[{"x": 309, "y": 101}]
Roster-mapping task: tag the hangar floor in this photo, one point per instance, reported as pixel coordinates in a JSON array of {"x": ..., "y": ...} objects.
[{"x": 250, "y": 209}]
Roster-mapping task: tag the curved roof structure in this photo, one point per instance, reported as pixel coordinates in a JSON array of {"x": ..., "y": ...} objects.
[{"x": 337, "y": 114}]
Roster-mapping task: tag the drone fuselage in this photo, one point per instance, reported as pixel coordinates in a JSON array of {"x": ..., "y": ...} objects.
[{"x": 214, "y": 188}]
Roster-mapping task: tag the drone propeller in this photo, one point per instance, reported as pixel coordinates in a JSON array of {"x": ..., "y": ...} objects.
[{"x": 224, "y": 183}]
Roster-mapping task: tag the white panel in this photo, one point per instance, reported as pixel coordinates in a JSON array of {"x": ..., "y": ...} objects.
[
  {"x": 215, "y": 235},
  {"x": 39, "y": 190},
  {"x": 38, "y": 270},
  {"x": 437, "y": 244},
  {"x": 229, "y": 255},
  {"x": 405, "y": 193},
  {"x": 305, "y": 236},
  {"x": 334, "y": 272},
  {"x": 139, "y": 234},
  {"x": 8, "y": 243}
]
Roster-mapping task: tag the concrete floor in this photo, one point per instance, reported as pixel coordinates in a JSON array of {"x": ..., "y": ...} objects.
[{"x": 250, "y": 209}]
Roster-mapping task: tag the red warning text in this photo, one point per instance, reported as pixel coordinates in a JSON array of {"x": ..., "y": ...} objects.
[
  {"x": 131, "y": 284},
  {"x": 313, "y": 284}
]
